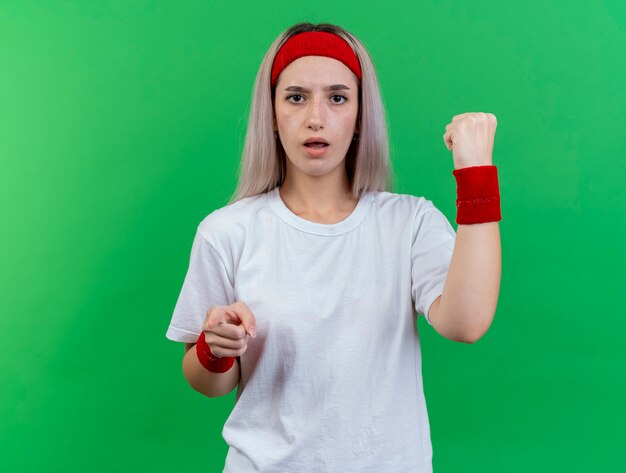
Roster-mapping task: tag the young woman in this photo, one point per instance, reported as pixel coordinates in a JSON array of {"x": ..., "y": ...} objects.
[{"x": 303, "y": 291}]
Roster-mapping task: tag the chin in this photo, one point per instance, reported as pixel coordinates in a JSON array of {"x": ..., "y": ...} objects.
[{"x": 320, "y": 167}]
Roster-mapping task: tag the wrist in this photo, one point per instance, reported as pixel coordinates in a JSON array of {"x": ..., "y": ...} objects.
[
  {"x": 209, "y": 361},
  {"x": 478, "y": 194}
]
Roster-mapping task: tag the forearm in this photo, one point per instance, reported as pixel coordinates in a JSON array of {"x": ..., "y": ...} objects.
[
  {"x": 470, "y": 294},
  {"x": 206, "y": 382}
]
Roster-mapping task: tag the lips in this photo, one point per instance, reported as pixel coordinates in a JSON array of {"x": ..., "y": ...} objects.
[{"x": 316, "y": 142}]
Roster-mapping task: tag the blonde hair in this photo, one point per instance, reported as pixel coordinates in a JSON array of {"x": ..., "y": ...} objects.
[{"x": 263, "y": 163}]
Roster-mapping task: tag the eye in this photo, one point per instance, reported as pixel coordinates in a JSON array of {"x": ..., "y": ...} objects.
[
  {"x": 294, "y": 95},
  {"x": 333, "y": 96}
]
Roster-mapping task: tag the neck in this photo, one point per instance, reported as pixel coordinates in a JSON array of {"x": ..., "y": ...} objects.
[{"x": 318, "y": 197}]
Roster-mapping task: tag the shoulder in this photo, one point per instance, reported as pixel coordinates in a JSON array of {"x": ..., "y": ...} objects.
[
  {"x": 416, "y": 214},
  {"x": 407, "y": 204},
  {"x": 228, "y": 224}
]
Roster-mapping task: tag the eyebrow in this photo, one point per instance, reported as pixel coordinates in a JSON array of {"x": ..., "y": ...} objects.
[{"x": 297, "y": 88}]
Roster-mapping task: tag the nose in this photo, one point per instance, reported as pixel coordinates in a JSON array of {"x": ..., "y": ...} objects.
[{"x": 315, "y": 117}]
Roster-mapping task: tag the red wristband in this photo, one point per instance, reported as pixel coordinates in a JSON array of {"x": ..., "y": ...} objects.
[
  {"x": 478, "y": 194},
  {"x": 209, "y": 361}
]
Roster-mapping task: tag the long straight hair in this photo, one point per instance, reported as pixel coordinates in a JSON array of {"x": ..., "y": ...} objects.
[{"x": 263, "y": 164}]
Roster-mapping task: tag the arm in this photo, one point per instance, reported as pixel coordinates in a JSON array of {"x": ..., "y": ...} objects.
[
  {"x": 466, "y": 308},
  {"x": 206, "y": 382}
]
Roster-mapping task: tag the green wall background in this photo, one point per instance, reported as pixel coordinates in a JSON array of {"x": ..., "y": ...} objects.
[{"x": 121, "y": 127}]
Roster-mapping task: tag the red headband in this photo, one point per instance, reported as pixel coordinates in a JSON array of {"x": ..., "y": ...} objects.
[{"x": 315, "y": 43}]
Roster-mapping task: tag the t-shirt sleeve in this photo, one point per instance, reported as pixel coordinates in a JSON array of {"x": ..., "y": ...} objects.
[
  {"x": 206, "y": 284},
  {"x": 431, "y": 252}
]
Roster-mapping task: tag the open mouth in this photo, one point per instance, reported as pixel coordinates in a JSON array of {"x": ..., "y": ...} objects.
[{"x": 316, "y": 145}]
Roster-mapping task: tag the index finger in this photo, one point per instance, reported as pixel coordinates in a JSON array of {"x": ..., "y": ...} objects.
[{"x": 246, "y": 316}]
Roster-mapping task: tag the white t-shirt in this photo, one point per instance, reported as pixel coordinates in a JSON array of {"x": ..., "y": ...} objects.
[{"x": 333, "y": 381}]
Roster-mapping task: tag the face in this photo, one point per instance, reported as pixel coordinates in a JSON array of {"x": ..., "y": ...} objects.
[{"x": 309, "y": 109}]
